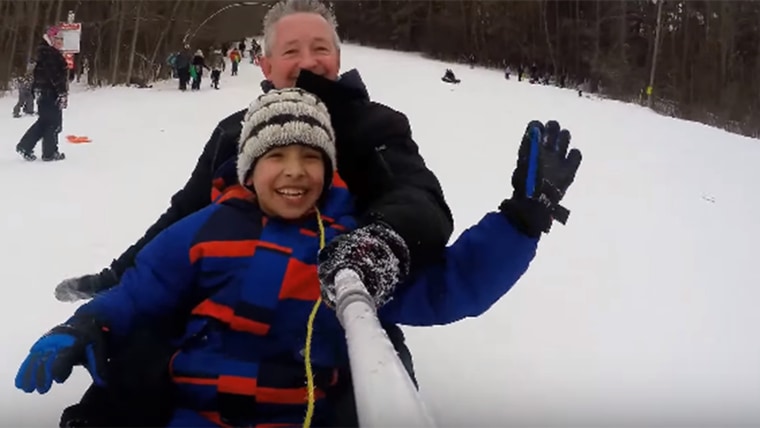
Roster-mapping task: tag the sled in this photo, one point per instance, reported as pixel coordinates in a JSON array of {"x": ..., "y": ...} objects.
[{"x": 78, "y": 139}]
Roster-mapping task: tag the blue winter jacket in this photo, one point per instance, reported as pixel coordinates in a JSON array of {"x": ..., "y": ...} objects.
[{"x": 250, "y": 282}]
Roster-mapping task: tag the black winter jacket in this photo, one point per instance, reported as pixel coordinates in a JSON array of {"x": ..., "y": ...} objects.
[
  {"x": 377, "y": 159},
  {"x": 50, "y": 72}
]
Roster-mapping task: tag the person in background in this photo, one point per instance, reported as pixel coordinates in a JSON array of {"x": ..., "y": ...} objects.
[
  {"x": 196, "y": 70},
  {"x": 235, "y": 58},
  {"x": 50, "y": 84},
  {"x": 25, "y": 93},
  {"x": 217, "y": 64}
]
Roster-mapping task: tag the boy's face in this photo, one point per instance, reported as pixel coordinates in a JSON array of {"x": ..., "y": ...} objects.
[{"x": 288, "y": 180}]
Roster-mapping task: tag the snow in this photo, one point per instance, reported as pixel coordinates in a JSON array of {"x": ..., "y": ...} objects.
[{"x": 639, "y": 312}]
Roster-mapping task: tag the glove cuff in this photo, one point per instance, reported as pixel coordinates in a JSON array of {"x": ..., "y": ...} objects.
[
  {"x": 529, "y": 216},
  {"x": 86, "y": 325}
]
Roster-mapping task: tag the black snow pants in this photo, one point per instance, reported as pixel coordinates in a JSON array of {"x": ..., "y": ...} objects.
[
  {"x": 46, "y": 128},
  {"x": 184, "y": 77},
  {"x": 215, "y": 75}
]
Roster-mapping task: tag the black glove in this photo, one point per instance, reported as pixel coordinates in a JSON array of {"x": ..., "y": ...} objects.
[
  {"x": 80, "y": 341},
  {"x": 266, "y": 86},
  {"x": 545, "y": 169},
  {"x": 85, "y": 287},
  {"x": 62, "y": 101},
  {"x": 375, "y": 252},
  {"x": 341, "y": 99}
]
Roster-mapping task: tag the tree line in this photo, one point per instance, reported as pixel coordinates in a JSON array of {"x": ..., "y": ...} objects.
[
  {"x": 702, "y": 58},
  {"x": 123, "y": 41}
]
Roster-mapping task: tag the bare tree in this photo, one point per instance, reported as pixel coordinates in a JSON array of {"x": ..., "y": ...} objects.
[
  {"x": 702, "y": 56},
  {"x": 35, "y": 7},
  {"x": 133, "y": 46}
]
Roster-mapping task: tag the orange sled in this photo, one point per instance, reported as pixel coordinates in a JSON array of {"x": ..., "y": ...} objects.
[{"x": 78, "y": 139}]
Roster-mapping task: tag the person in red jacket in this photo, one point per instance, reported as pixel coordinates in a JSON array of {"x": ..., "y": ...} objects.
[{"x": 235, "y": 59}]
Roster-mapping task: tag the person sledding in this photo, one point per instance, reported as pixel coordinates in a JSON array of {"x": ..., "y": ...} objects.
[
  {"x": 245, "y": 269},
  {"x": 449, "y": 77}
]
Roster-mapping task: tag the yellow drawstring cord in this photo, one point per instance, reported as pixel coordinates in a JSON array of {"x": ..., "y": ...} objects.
[{"x": 309, "y": 333}]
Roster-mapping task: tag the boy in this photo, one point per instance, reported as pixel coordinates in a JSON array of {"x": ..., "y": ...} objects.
[{"x": 245, "y": 270}]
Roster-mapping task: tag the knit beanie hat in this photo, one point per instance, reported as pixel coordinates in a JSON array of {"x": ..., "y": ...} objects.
[{"x": 283, "y": 117}]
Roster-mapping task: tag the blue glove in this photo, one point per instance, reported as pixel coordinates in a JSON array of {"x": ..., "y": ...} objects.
[{"x": 54, "y": 355}]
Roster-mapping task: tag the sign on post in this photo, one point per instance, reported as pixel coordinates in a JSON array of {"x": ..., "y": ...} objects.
[{"x": 72, "y": 34}]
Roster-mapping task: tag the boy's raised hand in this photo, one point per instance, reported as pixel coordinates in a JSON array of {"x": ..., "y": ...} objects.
[{"x": 545, "y": 169}]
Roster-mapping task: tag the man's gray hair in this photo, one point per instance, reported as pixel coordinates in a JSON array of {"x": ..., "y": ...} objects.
[{"x": 290, "y": 7}]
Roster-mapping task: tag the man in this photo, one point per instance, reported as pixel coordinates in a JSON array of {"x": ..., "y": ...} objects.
[
  {"x": 52, "y": 87},
  {"x": 377, "y": 159},
  {"x": 182, "y": 66}
]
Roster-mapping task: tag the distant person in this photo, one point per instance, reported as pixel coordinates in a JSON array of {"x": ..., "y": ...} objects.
[
  {"x": 449, "y": 77},
  {"x": 196, "y": 70},
  {"x": 51, "y": 85},
  {"x": 25, "y": 93},
  {"x": 182, "y": 62},
  {"x": 217, "y": 64},
  {"x": 235, "y": 58}
]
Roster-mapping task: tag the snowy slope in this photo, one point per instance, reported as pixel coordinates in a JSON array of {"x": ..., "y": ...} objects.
[{"x": 640, "y": 312}]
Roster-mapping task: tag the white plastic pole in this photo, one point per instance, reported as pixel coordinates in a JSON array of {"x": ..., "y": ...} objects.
[{"x": 384, "y": 392}]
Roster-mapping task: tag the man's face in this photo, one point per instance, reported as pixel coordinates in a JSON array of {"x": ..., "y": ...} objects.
[
  {"x": 301, "y": 41},
  {"x": 58, "y": 42}
]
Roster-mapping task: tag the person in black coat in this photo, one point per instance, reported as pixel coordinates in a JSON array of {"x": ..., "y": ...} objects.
[
  {"x": 378, "y": 160},
  {"x": 199, "y": 63},
  {"x": 51, "y": 86},
  {"x": 182, "y": 64}
]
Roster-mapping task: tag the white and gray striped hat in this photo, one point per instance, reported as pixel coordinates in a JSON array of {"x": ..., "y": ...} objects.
[{"x": 283, "y": 117}]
